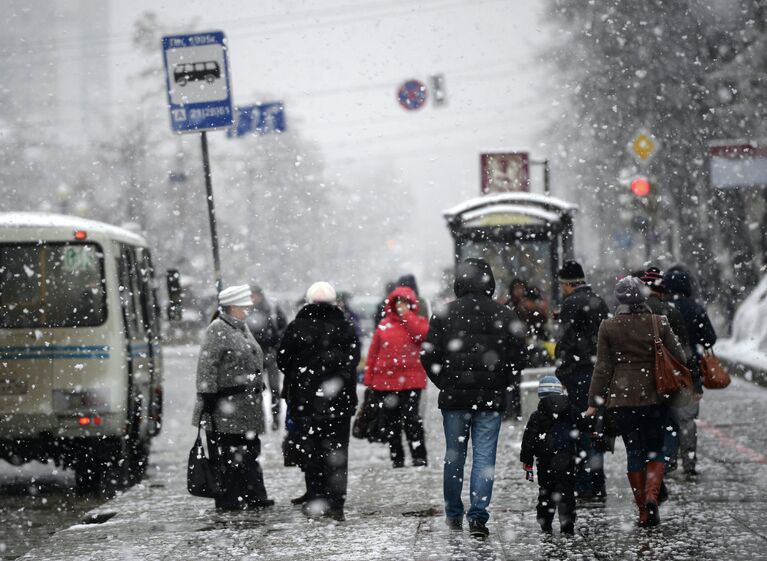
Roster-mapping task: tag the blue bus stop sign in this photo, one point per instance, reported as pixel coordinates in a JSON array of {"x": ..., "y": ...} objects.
[
  {"x": 197, "y": 78},
  {"x": 261, "y": 118}
]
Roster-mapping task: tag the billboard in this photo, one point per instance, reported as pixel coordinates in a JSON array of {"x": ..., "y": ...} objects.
[
  {"x": 738, "y": 164},
  {"x": 504, "y": 172}
]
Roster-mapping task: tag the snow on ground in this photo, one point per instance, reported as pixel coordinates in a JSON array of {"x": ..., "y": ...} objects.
[{"x": 397, "y": 514}]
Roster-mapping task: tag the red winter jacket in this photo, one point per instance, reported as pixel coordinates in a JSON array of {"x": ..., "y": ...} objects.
[{"x": 393, "y": 362}]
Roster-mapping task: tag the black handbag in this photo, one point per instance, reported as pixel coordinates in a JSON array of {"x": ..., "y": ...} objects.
[
  {"x": 201, "y": 470},
  {"x": 376, "y": 428},
  {"x": 364, "y": 417}
]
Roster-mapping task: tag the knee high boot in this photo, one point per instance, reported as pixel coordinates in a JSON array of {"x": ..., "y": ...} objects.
[
  {"x": 655, "y": 471},
  {"x": 637, "y": 480}
]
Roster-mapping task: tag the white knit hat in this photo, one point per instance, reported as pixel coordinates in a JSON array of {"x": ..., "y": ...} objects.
[
  {"x": 235, "y": 296},
  {"x": 321, "y": 292}
]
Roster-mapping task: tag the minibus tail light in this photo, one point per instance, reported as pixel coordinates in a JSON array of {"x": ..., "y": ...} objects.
[
  {"x": 81, "y": 235},
  {"x": 96, "y": 421}
]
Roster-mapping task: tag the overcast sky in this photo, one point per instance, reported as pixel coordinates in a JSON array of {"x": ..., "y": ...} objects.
[{"x": 337, "y": 65}]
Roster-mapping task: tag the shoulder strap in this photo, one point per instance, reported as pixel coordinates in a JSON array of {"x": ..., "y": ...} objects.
[{"x": 655, "y": 327}]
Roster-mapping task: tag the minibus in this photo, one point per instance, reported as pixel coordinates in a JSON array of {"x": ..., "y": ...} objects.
[{"x": 80, "y": 357}]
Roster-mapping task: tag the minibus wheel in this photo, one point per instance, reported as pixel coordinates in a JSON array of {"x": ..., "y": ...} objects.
[
  {"x": 88, "y": 475},
  {"x": 115, "y": 467},
  {"x": 103, "y": 469}
]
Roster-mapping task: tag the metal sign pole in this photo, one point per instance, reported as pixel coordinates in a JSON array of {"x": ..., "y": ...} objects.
[{"x": 211, "y": 213}]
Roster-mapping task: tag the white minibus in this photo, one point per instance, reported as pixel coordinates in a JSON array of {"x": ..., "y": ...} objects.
[{"x": 80, "y": 358}]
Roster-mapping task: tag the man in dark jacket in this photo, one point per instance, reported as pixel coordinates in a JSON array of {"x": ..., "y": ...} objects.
[
  {"x": 579, "y": 318},
  {"x": 319, "y": 353},
  {"x": 549, "y": 439},
  {"x": 701, "y": 336},
  {"x": 682, "y": 408},
  {"x": 471, "y": 353}
]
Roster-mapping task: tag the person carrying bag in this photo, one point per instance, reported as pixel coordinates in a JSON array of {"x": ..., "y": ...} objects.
[
  {"x": 624, "y": 382},
  {"x": 230, "y": 407}
]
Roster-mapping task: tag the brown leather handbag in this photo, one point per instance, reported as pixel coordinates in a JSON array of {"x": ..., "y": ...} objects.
[
  {"x": 670, "y": 374},
  {"x": 715, "y": 377}
]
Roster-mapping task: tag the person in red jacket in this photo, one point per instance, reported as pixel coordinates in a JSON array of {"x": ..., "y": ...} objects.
[{"x": 394, "y": 369}]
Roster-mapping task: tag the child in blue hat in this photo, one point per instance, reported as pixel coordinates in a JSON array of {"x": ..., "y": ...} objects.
[{"x": 549, "y": 440}]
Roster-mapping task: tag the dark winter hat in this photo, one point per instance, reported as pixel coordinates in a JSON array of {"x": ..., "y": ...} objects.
[
  {"x": 630, "y": 290},
  {"x": 474, "y": 275},
  {"x": 549, "y": 385},
  {"x": 678, "y": 282},
  {"x": 653, "y": 277},
  {"x": 409, "y": 282},
  {"x": 571, "y": 272}
]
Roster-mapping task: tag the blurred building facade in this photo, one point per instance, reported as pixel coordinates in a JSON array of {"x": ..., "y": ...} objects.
[{"x": 56, "y": 69}]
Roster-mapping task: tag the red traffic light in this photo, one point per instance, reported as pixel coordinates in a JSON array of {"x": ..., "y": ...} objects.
[{"x": 640, "y": 186}]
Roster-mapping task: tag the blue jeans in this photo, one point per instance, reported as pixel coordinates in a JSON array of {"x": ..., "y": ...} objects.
[{"x": 483, "y": 427}]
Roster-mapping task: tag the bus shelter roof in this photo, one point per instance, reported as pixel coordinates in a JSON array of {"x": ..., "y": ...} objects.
[{"x": 528, "y": 201}]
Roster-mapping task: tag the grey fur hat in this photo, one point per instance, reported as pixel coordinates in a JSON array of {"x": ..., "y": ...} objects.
[{"x": 630, "y": 290}]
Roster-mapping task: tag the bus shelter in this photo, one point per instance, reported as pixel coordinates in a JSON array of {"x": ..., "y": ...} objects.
[{"x": 521, "y": 235}]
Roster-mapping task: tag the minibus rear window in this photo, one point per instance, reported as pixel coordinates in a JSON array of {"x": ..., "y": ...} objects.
[{"x": 52, "y": 285}]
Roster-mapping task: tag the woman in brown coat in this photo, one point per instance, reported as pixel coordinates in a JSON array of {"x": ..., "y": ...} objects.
[{"x": 624, "y": 381}]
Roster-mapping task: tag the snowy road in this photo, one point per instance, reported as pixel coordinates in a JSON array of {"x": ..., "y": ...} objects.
[{"x": 397, "y": 514}]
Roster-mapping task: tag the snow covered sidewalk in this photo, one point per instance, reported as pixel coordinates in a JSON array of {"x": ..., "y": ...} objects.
[{"x": 397, "y": 514}]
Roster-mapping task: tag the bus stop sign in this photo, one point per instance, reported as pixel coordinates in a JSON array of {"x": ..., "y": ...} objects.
[{"x": 197, "y": 78}]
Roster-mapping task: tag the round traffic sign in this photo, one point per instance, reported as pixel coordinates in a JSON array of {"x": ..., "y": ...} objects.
[{"x": 412, "y": 95}]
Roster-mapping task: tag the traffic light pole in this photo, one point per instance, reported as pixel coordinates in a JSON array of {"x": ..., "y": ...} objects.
[{"x": 211, "y": 213}]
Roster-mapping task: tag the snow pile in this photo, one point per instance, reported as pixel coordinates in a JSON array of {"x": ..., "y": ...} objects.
[{"x": 748, "y": 343}]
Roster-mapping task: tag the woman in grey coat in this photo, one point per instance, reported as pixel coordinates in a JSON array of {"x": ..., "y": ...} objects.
[{"x": 229, "y": 402}]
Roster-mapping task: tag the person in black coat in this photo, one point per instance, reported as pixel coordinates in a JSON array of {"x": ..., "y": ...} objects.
[
  {"x": 471, "y": 353},
  {"x": 701, "y": 336},
  {"x": 319, "y": 353},
  {"x": 550, "y": 440},
  {"x": 581, "y": 314},
  {"x": 681, "y": 408}
]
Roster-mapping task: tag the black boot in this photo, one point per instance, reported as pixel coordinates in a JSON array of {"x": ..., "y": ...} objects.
[
  {"x": 259, "y": 503},
  {"x": 300, "y": 500},
  {"x": 335, "y": 513},
  {"x": 663, "y": 493}
]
